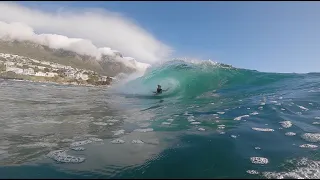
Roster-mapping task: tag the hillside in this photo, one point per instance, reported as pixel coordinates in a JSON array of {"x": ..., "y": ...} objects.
[{"x": 108, "y": 65}]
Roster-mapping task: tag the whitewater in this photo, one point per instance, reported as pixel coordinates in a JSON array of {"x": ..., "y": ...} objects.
[{"x": 215, "y": 121}]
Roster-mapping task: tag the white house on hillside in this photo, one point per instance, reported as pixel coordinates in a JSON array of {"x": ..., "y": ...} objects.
[
  {"x": 28, "y": 71},
  {"x": 15, "y": 69},
  {"x": 7, "y": 64},
  {"x": 40, "y": 74},
  {"x": 103, "y": 78},
  {"x": 45, "y": 63},
  {"x": 82, "y": 76},
  {"x": 36, "y": 61},
  {"x": 69, "y": 74},
  {"x": 51, "y": 74},
  {"x": 41, "y": 67}
]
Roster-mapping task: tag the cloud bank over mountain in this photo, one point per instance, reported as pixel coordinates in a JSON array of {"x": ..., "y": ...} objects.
[{"x": 89, "y": 32}]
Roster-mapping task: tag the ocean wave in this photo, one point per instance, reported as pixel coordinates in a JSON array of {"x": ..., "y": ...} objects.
[{"x": 194, "y": 78}]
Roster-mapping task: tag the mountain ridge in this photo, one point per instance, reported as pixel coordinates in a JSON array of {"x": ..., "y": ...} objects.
[{"x": 107, "y": 65}]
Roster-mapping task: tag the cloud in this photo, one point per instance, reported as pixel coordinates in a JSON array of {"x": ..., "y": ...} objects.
[{"x": 83, "y": 31}]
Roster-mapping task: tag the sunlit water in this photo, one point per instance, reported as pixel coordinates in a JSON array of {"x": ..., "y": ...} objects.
[{"x": 268, "y": 128}]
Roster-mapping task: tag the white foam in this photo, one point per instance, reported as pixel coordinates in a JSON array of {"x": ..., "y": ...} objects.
[
  {"x": 100, "y": 123},
  {"x": 286, "y": 124},
  {"x": 310, "y": 170},
  {"x": 118, "y": 132},
  {"x": 95, "y": 139},
  {"x": 80, "y": 143},
  {"x": 259, "y": 160},
  {"x": 112, "y": 120},
  {"x": 222, "y": 126},
  {"x": 170, "y": 120},
  {"x": 62, "y": 156},
  {"x": 257, "y": 148},
  {"x": 311, "y": 146},
  {"x": 290, "y": 134},
  {"x": 303, "y": 108},
  {"x": 78, "y": 148},
  {"x": 38, "y": 144},
  {"x": 165, "y": 123},
  {"x": 187, "y": 113},
  {"x": 222, "y": 132},
  {"x": 233, "y": 136},
  {"x": 117, "y": 141},
  {"x": 282, "y": 109},
  {"x": 263, "y": 103},
  {"x": 252, "y": 172},
  {"x": 191, "y": 120},
  {"x": 274, "y": 102},
  {"x": 220, "y": 112},
  {"x": 194, "y": 123},
  {"x": 201, "y": 129},
  {"x": 144, "y": 130},
  {"x": 311, "y": 137},
  {"x": 263, "y": 129},
  {"x": 137, "y": 141},
  {"x": 67, "y": 140},
  {"x": 240, "y": 117},
  {"x": 260, "y": 108},
  {"x": 254, "y": 113},
  {"x": 316, "y": 123},
  {"x": 317, "y": 117},
  {"x": 190, "y": 117}
]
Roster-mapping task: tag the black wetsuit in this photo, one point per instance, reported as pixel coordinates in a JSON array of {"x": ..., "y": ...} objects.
[{"x": 159, "y": 90}]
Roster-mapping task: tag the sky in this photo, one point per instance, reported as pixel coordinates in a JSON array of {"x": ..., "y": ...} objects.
[{"x": 264, "y": 36}]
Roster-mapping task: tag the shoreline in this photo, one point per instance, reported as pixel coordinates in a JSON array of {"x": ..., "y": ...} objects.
[{"x": 51, "y": 82}]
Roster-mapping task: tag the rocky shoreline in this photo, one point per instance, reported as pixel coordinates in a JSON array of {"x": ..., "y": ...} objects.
[{"x": 54, "y": 80}]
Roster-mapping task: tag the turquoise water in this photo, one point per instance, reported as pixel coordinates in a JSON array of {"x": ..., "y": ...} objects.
[{"x": 215, "y": 121}]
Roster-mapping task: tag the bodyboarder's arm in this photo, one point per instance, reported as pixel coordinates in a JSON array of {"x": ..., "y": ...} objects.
[{"x": 166, "y": 89}]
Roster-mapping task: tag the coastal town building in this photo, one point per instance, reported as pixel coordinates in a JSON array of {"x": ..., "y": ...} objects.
[
  {"x": 28, "y": 71},
  {"x": 82, "y": 76},
  {"x": 27, "y": 67},
  {"x": 14, "y": 69},
  {"x": 36, "y": 61},
  {"x": 51, "y": 74},
  {"x": 9, "y": 63},
  {"x": 40, "y": 74},
  {"x": 45, "y": 63}
]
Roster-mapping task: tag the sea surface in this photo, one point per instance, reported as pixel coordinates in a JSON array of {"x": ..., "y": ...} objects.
[{"x": 214, "y": 121}]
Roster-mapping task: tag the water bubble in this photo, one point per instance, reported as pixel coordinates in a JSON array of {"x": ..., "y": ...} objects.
[{"x": 259, "y": 160}]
